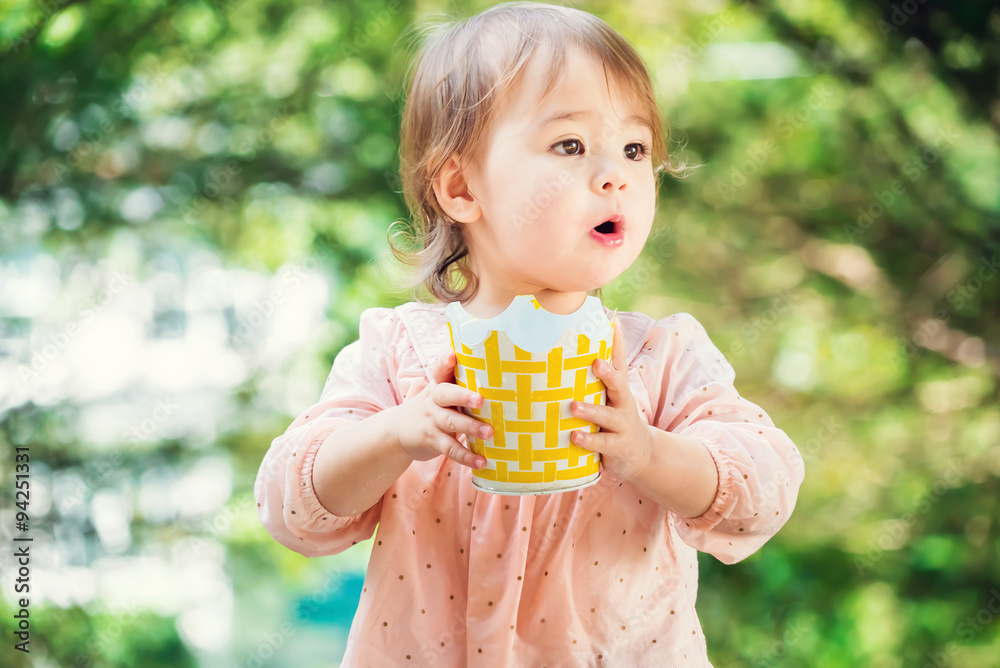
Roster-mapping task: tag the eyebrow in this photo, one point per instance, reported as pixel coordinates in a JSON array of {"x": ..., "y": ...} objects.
[{"x": 634, "y": 119}]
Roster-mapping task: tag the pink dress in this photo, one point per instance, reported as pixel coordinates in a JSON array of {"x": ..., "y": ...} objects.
[{"x": 596, "y": 577}]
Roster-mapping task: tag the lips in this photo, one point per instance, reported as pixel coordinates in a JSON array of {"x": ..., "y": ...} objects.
[
  {"x": 611, "y": 232},
  {"x": 617, "y": 220}
]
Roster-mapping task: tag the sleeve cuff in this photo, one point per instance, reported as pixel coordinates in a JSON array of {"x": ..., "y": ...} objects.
[
  {"x": 724, "y": 498},
  {"x": 314, "y": 516}
]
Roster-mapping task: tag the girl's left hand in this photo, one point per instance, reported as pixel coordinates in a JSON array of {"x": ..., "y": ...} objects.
[{"x": 625, "y": 440}]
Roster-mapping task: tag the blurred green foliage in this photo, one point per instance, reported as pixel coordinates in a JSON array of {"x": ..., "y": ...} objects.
[{"x": 839, "y": 244}]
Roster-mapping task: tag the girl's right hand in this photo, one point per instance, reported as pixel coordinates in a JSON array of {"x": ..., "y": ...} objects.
[{"x": 428, "y": 422}]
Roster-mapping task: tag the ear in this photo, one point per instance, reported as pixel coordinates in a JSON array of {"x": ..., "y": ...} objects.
[{"x": 453, "y": 195}]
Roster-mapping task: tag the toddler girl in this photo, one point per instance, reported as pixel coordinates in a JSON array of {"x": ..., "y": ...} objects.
[{"x": 531, "y": 144}]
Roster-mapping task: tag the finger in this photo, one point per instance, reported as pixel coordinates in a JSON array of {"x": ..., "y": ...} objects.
[
  {"x": 444, "y": 369},
  {"x": 453, "y": 422},
  {"x": 614, "y": 373},
  {"x": 613, "y": 380},
  {"x": 603, "y": 416},
  {"x": 450, "y": 394},
  {"x": 598, "y": 442},
  {"x": 455, "y": 451}
]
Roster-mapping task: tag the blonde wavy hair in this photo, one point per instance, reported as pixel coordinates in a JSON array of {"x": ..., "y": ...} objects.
[{"x": 460, "y": 74}]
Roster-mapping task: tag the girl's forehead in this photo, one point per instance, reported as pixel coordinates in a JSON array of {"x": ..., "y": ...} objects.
[
  {"x": 590, "y": 105},
  {"x": 578, "y": 73},
  {"x": 554, "y": 82}
]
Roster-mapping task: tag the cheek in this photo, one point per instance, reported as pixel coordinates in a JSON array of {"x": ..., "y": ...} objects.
[
  {"x": 644, "y": 213},
  {"x": 532, "y": 213},
  {"x": 545, "y": 194},
  {"x": 647, "y": 199}
]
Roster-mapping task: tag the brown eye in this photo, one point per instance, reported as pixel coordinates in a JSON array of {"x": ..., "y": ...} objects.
[
  {"x": 572, "y": 146},
  {"x": 636, "y": 151}
]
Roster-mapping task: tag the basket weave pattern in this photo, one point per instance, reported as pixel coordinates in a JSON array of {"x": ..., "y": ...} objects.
[{"x": 532, "y": 423}]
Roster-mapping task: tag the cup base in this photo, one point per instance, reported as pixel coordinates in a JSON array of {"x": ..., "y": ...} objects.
[{"x": 533, "y": 489}]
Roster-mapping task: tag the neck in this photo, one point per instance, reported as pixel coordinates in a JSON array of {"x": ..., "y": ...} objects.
[{"x": 498, "y": 288}]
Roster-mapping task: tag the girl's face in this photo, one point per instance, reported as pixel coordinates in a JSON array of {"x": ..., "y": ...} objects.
[{"x": 551, "y": 172}]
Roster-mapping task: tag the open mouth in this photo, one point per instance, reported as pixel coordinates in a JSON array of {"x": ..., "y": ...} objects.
[
  {"x": 611, "y": 232},
  {"x": 607, "y": 227}
]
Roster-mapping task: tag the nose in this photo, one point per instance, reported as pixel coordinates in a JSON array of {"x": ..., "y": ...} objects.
[{"x": 609, "y": 177}]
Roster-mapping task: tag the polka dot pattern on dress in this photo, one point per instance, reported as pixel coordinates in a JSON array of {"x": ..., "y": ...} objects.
[{"x": 540, "y": 549}]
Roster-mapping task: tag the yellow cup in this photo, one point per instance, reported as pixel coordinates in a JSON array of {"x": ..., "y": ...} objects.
[{"x": 529, "y": 365}]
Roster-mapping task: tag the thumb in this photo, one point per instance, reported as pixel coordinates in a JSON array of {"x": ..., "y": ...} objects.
[{"x": 444, "y": 369}]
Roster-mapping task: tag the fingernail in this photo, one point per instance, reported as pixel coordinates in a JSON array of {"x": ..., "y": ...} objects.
[{"x": 485, "y": 432}]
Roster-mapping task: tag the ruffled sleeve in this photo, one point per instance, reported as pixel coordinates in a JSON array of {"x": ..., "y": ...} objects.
[
  {"x": 360, "y": 384},
  {"x": 692, "y": 392}
]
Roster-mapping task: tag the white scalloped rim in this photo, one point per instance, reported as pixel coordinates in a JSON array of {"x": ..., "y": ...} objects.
[{"x": 528, "y": 325}]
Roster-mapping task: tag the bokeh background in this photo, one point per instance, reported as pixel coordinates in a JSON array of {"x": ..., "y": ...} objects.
[{"x": 194, "y": 198}]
